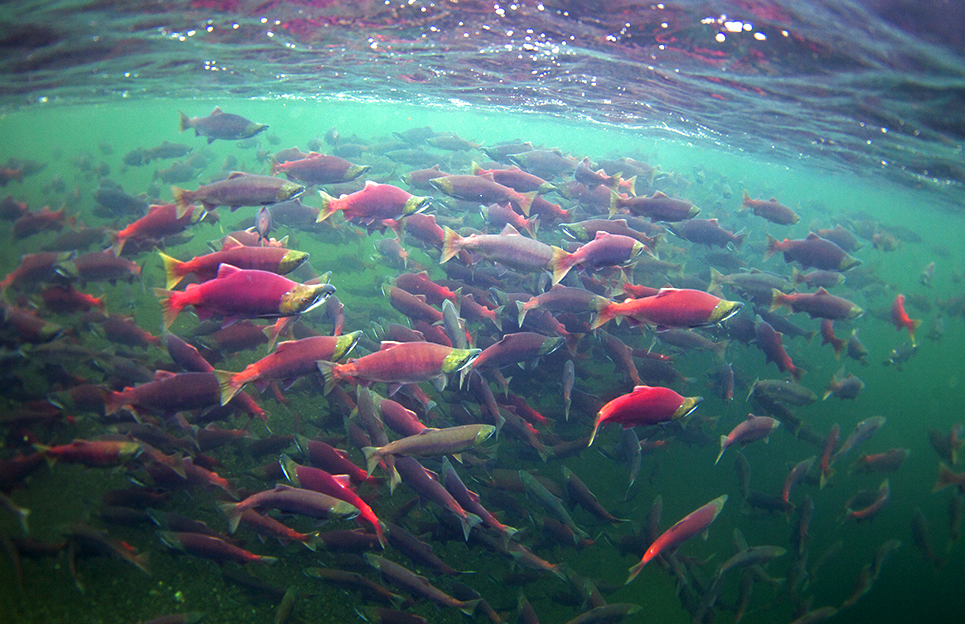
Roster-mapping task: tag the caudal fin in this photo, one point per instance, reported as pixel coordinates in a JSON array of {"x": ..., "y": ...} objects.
[
  {"x": 561, "y": 264},
  {"x": 182, "y": 199},
  {"x": 525, "y": 201},
  {"x": 171, "y": 305},
  {"x": 185, "y": 122},
  {"x": 450, "y": 245},
  {"x": 173, "y": 270},
  {"x": 771, "y": 247},
  {"x": 226, "y": 382},
  {"x": 723, "y": 447},
  {"x": 777, "y": 299},
  {"x": 327, "y": 369},
  {"x": 327, "y": 209}
]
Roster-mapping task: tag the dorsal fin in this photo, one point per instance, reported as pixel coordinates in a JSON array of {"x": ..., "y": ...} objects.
[
  {"x": 216, "y": 111},
  {"x": 509, "y": 230},
  {"x": 388, "y": 344},
  {"x": 224, "y": 270},
  {"x": 236, "y": 174}
]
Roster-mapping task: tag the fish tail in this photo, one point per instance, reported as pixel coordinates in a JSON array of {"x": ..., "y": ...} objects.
[
  {"x": 326, "y": 209},
  {"x": 171, "y": 305},
  {"x": 740, "y": 237},
  {"x": 497, "y": 318},
  {"x": 745, "y": 200},
  {"x": 838, "y": 344},
  {"x": 534, "y": 226},
  {"x": 604, "y": 313},
  {"x": 945, "y": 478},
  {"x": 631, "y": 185},
  {"x": 614, "y": 203},
  {"x": 112, "y": 402},
  {"x": 561, "y": 264},
  {"x": 234, "y": 516},
  {"x": 771, "y": 247},
  {"x": 525, "y": 202},
  {"x": 185, "y": 122},
  {"x": 596, "y": 428},
  {"x": 226, "y": 381},
  {"x": 476, "y": 168},
  {"x": 635, "y": 570},
  {"x": 715, "y": 287},
  {"x": 521, "y": 306},
  {"x": 182, "y": 199},
  {"x": 371, "y": 458},
  {"x": 825, "y": 477},
  {"x": 915, "y": 324},
  {"x": 723, "y": 442},
  {"x": 796, "y": 276},
  {"x": 777, "y": 299},
  {"x": 468, "y": 522},
  {"x": 327, "y": 369},
  {"x": 469, "y": 606},
  {"x": 267, "y": 560},
  {"x": 118, "y": 245},
  {"x": 173, "y": 270},
  {"x": 450, "y": 245},
  {"x": 275, "y": 166}
]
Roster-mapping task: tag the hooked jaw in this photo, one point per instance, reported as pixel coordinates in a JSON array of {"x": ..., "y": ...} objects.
[
  {"x": 303, "y": 298},
  {"x": 724, "y": 310}
]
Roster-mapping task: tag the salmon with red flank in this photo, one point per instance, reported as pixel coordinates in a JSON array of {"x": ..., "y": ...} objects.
[
  {"x": 770, "y": 342},
  {"x": 657, "y": 207},
  {"x": 160, "y": 221},
  {"x": 872, "y": 510},
  {"x": 93, "y": 453},
  {"x": 670, "y": 307},
  {"x": 273, "y": 259},
  {"x": 820, "y": 304},
  {"x": 243, "y": 293},
  {"x": 399, "y": 363},
  {"x": 291, "y": 500},
  {"x": 770, "y": 209},
  {"x": 606, "y": 250},
  {"x": 337, "y": 486},
  {"x": 830, "y": 444},
  {"x": 646, "y": 405},
  {"x": 238, "y": 189},
  {"x": 900, "y": 318},
  {"x": 812, "y": 251},
  {"x": 691, "y": 525},
  {"x": 210, "y": 547},
  {"x": 375, "y": 202},
  {"x": 318, "y": 168},
  {"x": 753, "y": 429},
  {"x": 291, "y": 360},
  {"x": 483, "y": 189},
  {"x": 508, "y": 248},
  {"x": 221, "y": 125}
]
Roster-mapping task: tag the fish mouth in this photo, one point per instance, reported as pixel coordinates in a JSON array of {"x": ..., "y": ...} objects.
[
  {"x": 415, "y": 205},
  {"x": 576, "y": 232},
  {"x": 724, "y": 310},
  {"x": 688, "y": 406},
  {"x": 290, "y": 190},
  {"x": 304, "y": 298},
  {"x": 550, "y": 345},
  {"x": 345, "y": 345},
  {"x": 459, "y": 359}
]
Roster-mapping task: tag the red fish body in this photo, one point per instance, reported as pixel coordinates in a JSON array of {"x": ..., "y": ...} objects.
[
  {"x": 413, "y": 306},
  {"x": 828, "y": 337},
  {"x": 603, "y": 251},
  {"x": 691, "y": 525},
  {"x": 820, "y": 304},
  {"x": 770, "y": 209},
  {"x": 515, "y": 178},
  {"x": 483, "y": 189},
  {"x": 508, "y": 248},
  {"x": 94, "y": 453},
  {"x": 671, "y": 307},
  {"x": 160, "y": 221},
  {"x": 900, "y": 318},
  {"x": 238, "y": 189},
  {"x": 400, "y": 363},
  {"x": 319, "y": 169},
  {"x": 66, "y": 299},
  {"x": 34, "y": 222},
  {"x": 375, "y": 202},
  {"x": 812, "y": 251},
  {"x": 753, "y": 429},
  {"x": 290, "y": 360},
  {"x": 657, "y": 207},
  {"x": 420, "y": 284},
  {"x": 221, "y": 125},
  {"x": 210, "y": 547},
  {"x": 769, "y": 341},
  {"x": 645, "y": 405},
  {"x": 99, "y": 266},
  {"x": 273, "y": 259},
  {"x": 237, "y": 293},
  {"x": 33, "y": 268}
]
